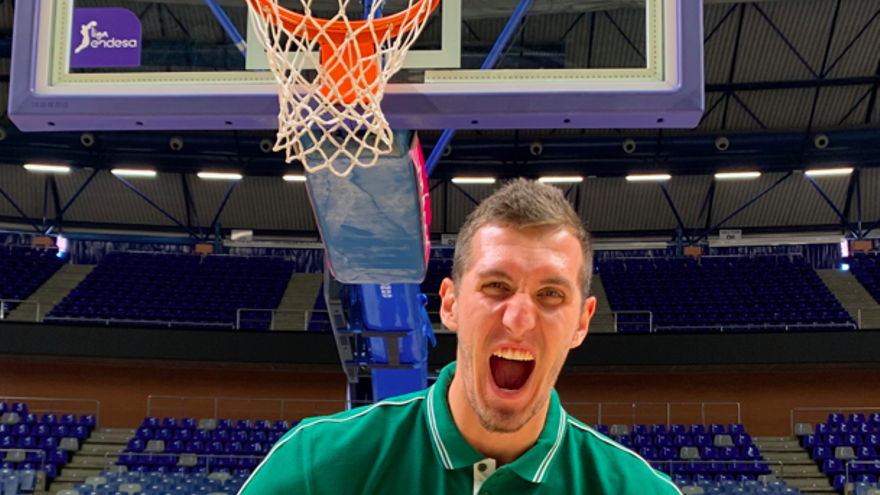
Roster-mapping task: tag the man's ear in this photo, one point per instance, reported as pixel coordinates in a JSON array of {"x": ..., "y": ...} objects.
[
  {"x": 584, "y": 322},
  {"x": 447, "y": 305}
]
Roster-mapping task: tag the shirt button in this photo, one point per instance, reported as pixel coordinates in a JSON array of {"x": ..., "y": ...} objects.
[{"x": 482, "y": 468}]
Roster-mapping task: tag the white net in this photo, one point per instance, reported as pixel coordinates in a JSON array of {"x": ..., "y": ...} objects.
[{"x": 332, "y": 76}]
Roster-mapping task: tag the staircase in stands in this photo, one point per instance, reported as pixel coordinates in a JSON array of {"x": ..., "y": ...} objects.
[{"x": 797, "y": 468}]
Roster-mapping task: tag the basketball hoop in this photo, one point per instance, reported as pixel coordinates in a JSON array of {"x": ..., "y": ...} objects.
[{"x": 337, "y": 113}]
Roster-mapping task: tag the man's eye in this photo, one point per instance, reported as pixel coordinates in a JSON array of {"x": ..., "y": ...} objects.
[
  {"x": 552, "y": 293},
  {"x": 495, "y": 287}
]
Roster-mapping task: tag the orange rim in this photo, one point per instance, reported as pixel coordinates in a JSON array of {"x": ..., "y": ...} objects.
[{"x": 393, "y": 24}]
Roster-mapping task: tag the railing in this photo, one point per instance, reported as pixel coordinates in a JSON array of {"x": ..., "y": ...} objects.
[
  {"x": 672, "y": 464},
  {"x": 254, "y": 409},
  {"x": 307, "y": 317},
  {"x": 852, "y": 463},
  {"x": 58, "y": 405},
  {"x": 111, "y": 459},
  {"x": 862, "y": 311},
  {"x": 116, "y": 321},
  {"x": 40, "y": 481},
  {"x": 813, "y": 415},
  {"x": 634, "y": 312},
  {"x": 667, "y": 413},
  {"x": 755, "y": 327},
  {"x": 4, "y": 313}
]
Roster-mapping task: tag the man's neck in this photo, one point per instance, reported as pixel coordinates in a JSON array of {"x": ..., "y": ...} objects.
[{"x": 503, "y": 447}]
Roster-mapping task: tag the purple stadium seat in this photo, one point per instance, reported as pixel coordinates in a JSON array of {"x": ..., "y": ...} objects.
[
  {"x": 144, "y": 433},
  {"x": 189, "y": 423},
  {"x": 49, "y": 443},
  {"x": 195, "y": 447},
  {"x": 19, "y": 407},
  {"x": 637, "y": 441},
  {"x": 184, "y": 435},
  {"x": 285, "y": 426},
  {"x": 821, "y": 453},
  {"x": 263, "y": 425},
  {"x": 639, "y": 430},
  {"x": 135, "y": 445},
  {"x": 658, "y": 430},
  {"x": 170, "y": 423},
  {"x": 150, "y": 422}
]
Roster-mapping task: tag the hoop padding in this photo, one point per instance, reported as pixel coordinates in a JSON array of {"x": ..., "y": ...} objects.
[{"x": 338, "y": 107}]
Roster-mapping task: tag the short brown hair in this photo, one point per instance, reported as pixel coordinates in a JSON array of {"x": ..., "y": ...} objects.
[{"x": 524, "y": 204}]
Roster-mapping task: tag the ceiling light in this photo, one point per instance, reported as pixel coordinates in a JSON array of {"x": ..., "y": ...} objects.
[
  {"x": 130, "y": 172},
  {"x": 52, "y": 169},
  {"x": 648, "y": 178},
  {"x": 829, "y": 171},
  {"x": 219, "y": 176},
  {"x": 737, "y": 175},
  {"x": 473, "y": 180},
  {"x": 560, "y": 180},
  {"x": 295, "y": 178}
]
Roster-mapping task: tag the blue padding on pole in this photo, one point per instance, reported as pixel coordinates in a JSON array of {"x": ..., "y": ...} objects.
[
  {"x": 396, "y": 308},
  {"x": 373, "y": 222},
  {"x": 391, "y": 307},
  {"x": 227, "y": 26},
  {"x": 389, "y": 383}
]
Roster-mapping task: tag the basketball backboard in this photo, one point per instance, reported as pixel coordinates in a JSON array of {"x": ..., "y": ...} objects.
[{"x": 159, "y": 65}]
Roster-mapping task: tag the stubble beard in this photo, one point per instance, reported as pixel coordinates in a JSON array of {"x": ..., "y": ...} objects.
[{"x": 495, "y": 421}]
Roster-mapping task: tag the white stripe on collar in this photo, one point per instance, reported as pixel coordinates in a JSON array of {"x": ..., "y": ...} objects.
[
  {"x": 545, "y": 464},
  {"x": 432, "y": 421}
]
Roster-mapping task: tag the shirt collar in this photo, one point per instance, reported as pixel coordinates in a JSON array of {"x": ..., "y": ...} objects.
[{"x": 453, "y": 451}]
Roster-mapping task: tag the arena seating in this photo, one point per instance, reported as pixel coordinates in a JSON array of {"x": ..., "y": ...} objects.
[
  {"x": 141, "y": 289},
  {"x": 694, "y": 453},
  {"x": 23, "y": 271},
  {"x": 320, "y": 319},
  {"x": 131, "y": 482},
  {"x": 30, "y": 441},
  {"x": 866, "y": 269},
  {"x": 720, "y": 294},
  {"x": 846, "y": 447},
  {"x": 747, "y": 487},
  {"x": 439, "y": 267},
  {"x": 205, "y": 446}
]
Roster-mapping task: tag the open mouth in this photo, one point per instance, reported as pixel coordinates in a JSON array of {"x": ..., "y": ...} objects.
[{"x": 511, "y": 369}]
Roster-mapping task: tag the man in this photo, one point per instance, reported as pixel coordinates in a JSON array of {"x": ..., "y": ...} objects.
[{"x": 492, "y": 423}]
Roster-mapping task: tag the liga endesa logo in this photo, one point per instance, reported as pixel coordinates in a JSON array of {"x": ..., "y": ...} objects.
[
  {"x": 105, "y": 38},
  {"x": 92, "y": 37}
]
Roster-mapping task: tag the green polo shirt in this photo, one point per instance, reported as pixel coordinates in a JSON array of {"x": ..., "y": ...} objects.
[{"x": 410, "y": 445}]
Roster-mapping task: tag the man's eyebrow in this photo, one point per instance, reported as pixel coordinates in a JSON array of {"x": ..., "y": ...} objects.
[
  {"x": 558, "y": 281},
  {"x": 494, "y": 273}
]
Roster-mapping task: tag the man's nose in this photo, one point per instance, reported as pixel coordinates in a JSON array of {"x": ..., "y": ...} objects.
[{"x": 519, "y": 315}]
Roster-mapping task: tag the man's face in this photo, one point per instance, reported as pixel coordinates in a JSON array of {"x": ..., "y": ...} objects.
[{"x": 518, "y": 311}]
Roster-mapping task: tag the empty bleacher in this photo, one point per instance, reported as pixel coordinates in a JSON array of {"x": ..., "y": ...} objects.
[
  {"x": 866, "y": 268},
  {"x": 34, "y": 447},
  {"x": 22, "y": 272},
  {"x": 142, "y": 289},
  {"x": 720, "y": 294},
  {"x": 111, "y": 482},
  {"x": 714, "y": 453},
  {"x": 202, "y": 446},
  {"x": 846, "y": 447}
]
